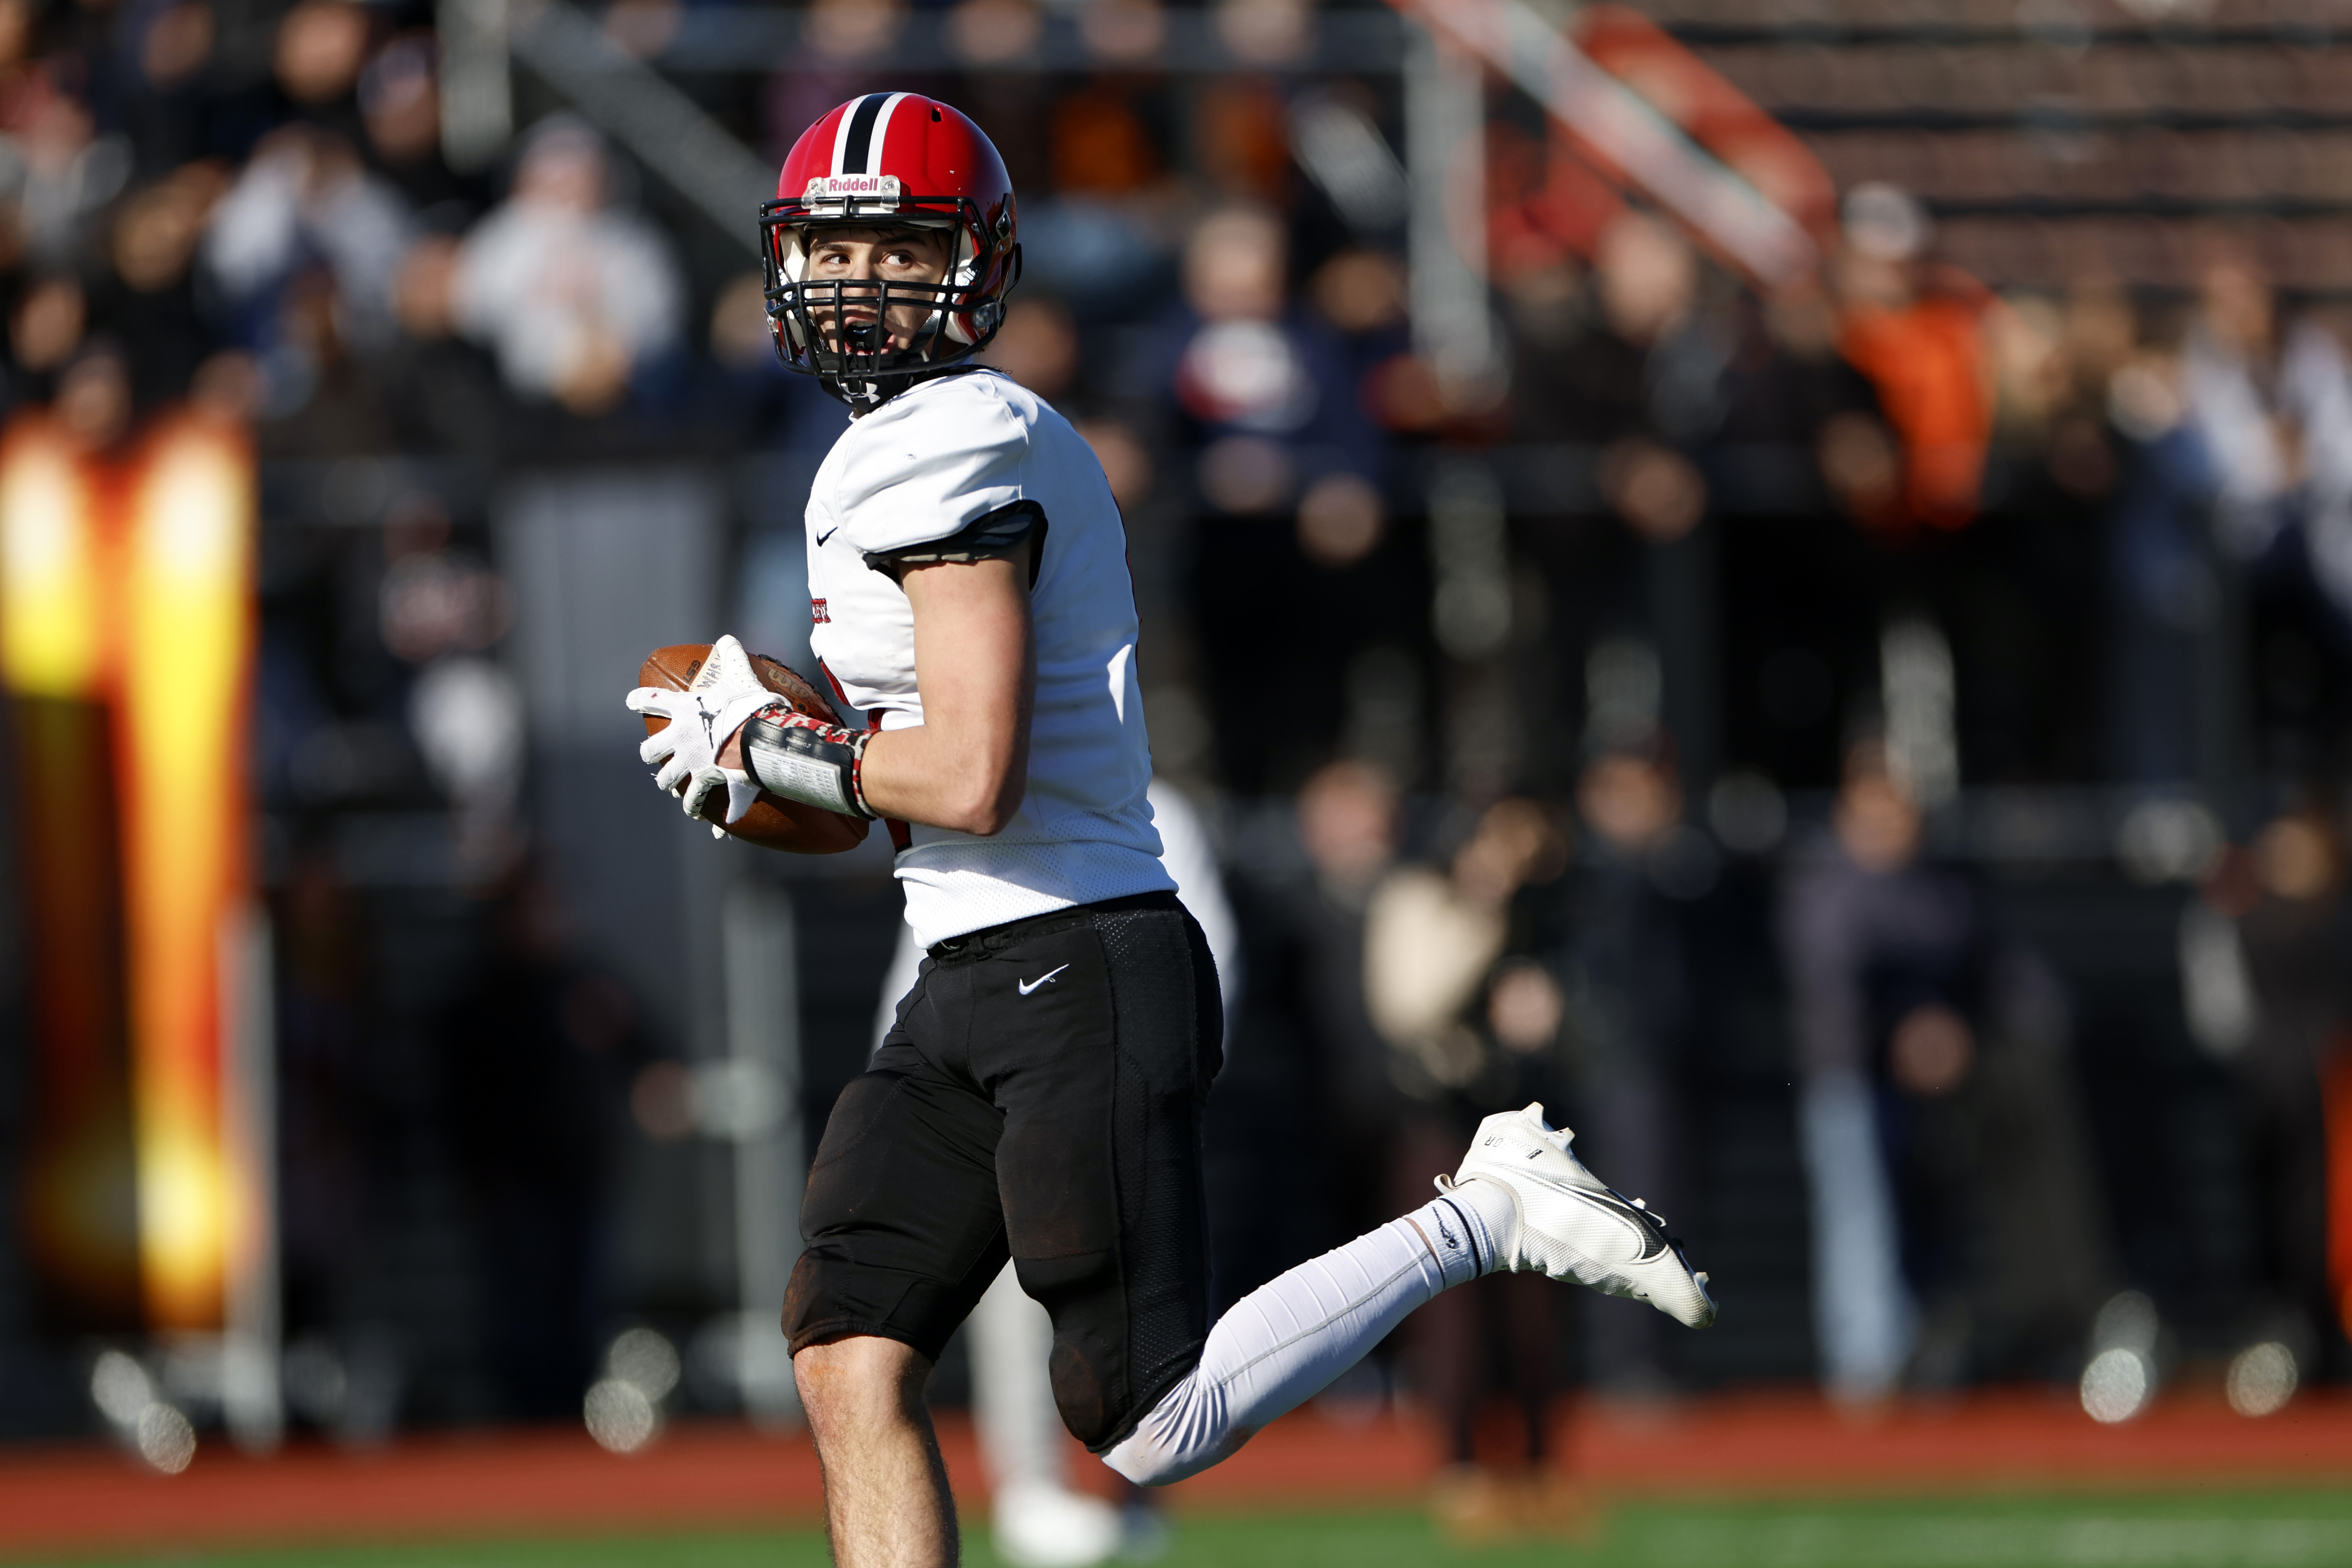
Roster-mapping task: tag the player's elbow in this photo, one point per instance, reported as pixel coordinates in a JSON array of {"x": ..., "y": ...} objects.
[{"x": 986, "y": 804}]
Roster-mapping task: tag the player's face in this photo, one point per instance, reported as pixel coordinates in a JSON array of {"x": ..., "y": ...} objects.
[{"x": 860, "y": 260}]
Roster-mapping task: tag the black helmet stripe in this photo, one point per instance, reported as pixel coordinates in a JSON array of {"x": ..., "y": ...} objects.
[
  {"x": 858, "y": 145},
  {"x": 881, "y": 137}
]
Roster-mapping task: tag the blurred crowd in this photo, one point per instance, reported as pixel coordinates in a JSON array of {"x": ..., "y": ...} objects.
[{"x": 1578, "y": 732}]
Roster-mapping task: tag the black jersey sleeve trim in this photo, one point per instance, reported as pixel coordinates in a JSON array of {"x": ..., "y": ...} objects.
[{"x": 989, "y": 538}]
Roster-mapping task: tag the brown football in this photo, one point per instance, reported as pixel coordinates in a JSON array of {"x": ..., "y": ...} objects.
[{"x": 771, "y": 823}]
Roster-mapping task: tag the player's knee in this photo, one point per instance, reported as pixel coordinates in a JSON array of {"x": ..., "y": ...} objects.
[
  {"x": 858, "y": 1383},
  {"x": 1157, "y": 1458},
  {"x": 1184, "y": 1433},
  {"x": 1146, "y": 1463}
]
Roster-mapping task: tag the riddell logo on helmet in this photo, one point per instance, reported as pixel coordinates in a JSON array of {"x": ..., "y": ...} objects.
[{"x": 835, "y": 187}]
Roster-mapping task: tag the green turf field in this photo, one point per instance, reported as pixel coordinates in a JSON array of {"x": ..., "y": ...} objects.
[{"x": 2289, "y": 1529}]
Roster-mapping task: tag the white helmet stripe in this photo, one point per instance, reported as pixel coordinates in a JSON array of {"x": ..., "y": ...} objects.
[{"x": 841, "y": 137}]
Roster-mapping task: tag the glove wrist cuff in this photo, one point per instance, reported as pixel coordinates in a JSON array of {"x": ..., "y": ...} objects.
[
  {"x": 857, "y": 774},
  {"x": 804, "y": 758}
]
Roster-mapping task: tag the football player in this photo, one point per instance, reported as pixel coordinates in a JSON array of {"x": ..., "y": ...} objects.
[{"x": 1040, "y": 1094}]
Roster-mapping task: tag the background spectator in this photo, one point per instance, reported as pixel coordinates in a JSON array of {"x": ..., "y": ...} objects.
[{"x": 574, "y": 295}]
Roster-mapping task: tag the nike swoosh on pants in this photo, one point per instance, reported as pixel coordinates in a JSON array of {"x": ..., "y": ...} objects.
[{"x": 1029, "y": 986}]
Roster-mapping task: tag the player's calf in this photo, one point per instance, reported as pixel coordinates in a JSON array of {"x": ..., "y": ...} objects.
[{"x": 886, "y": 1487}]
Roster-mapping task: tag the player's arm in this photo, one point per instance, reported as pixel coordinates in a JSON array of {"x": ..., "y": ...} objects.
[
  {"x": 965, "y": 768},
  {"x": 966, "y": 765}
]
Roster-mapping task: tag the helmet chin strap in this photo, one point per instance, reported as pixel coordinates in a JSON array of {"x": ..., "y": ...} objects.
[{"x": 871, "y": 341}]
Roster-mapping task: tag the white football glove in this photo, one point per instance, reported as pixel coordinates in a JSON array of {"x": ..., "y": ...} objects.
[{"x": 725, "y": 693}]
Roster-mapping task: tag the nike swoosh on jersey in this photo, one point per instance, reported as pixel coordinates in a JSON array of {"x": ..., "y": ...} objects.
[
  {"x": 828, "y": 534},
  {"x": 1029, "y": 986}
]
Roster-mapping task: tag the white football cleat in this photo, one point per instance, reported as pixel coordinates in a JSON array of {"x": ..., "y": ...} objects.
[
  {"x": 1570, "y": 1225},
  {"x": 1038, "y": 1524}
]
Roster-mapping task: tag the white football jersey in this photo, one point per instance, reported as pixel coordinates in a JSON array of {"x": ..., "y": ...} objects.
[{"x": 923, "y": 466}]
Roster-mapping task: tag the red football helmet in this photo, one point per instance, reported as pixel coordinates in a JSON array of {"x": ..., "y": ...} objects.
[{"x": 889, "y": 160}]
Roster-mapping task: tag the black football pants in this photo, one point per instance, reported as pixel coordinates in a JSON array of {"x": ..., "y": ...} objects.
[{"x": 1040, "y": 1095}]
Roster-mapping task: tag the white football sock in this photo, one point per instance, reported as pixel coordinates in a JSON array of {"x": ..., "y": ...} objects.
[
  {"x": 1285, "y": 1341},
  {"x": 1491, "y": 1211}
]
